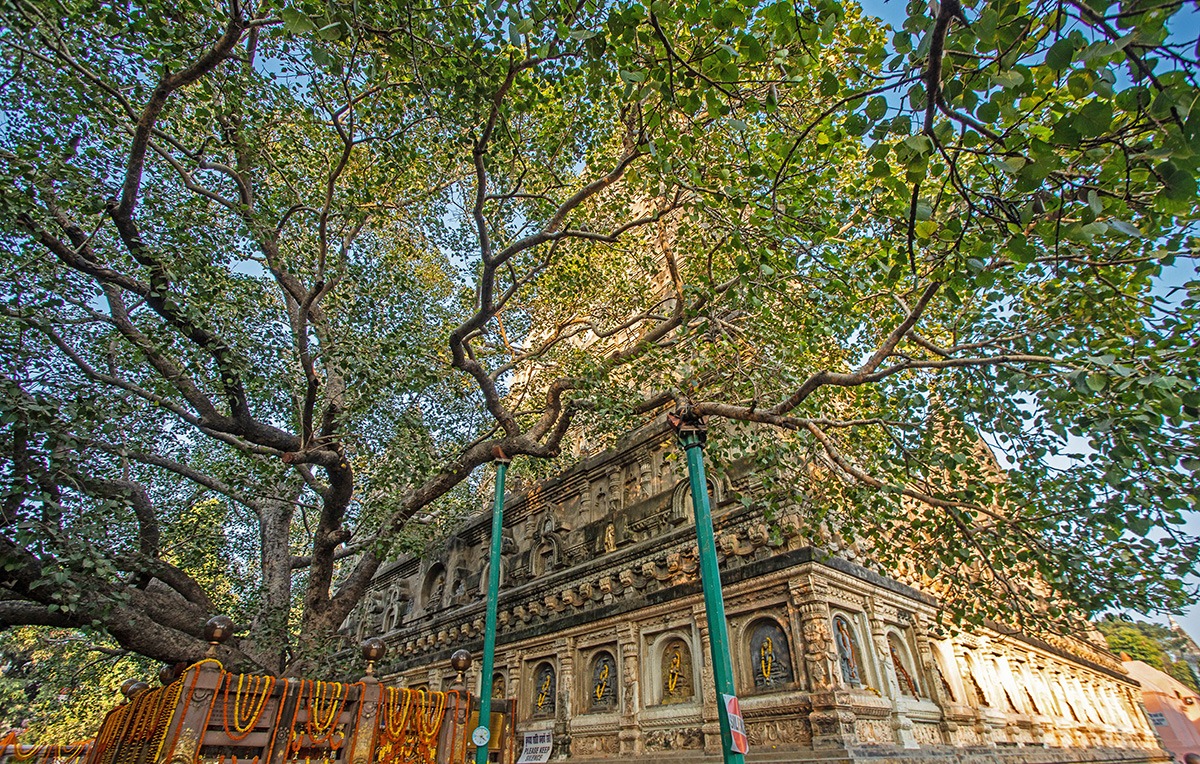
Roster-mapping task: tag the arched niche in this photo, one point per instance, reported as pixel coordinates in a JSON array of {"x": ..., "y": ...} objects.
[
  {"x": 543, "y": 691},
  {"x": 770, "y": 655},
  {"x": 603, "y": 681},
  {"x": 433, "y": 592},
  {"x": 546, "y": 556},
  {"x": 902, "y": 664},
  {"x": 681, "y": 498},
  {"x": 850, "y": 664},
  {"x": 676, "y": 683}
]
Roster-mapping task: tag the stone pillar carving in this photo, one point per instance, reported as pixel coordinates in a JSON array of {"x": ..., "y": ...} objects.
[
  {"x": 514, "y": 682},
  {"x": 820, "y": 657},
  {"x": 968, "y": 669},
  {"x": 901, "y": 724},
  {"x": 711, "y": 727},
  {"x": 564, "y": 710},
  {"x": 1000, "y": 712},
  {"x": 616, "y": 490},
  {"x": 585, "y": 500},
  {"x": 933, "y": 679},
  {"x": 630, "y": 735},
  {"x": 831, "y": 718}
]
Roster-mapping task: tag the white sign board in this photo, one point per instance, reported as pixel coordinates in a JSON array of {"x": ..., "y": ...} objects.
[{"x": 536, "y": 749}]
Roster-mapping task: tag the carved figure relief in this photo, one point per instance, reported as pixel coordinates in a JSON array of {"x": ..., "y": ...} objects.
[
  {"x": 903, "y": 669},
  {"x": 770, "y": 655},
  {"x": 633, "y": 487},
  {"x": 645, "y": 481},
  {"x": 544, "y": 689},
  {"x": 816, "y": 644},
  {"x": 631, "y": 682},
  {"x": 603, "y": 694},
  {"x": 676, "y": 673},
  {"x": 614, "y": 493},
  {"x": 847, "y": 650},
  {"x": 945, "y": 685},
  {"x": 610, "y": 538},
  {"x": 979, "y": 694},
  {"x": 435, "y": 587},
  {"x": 499, "y": 685}
]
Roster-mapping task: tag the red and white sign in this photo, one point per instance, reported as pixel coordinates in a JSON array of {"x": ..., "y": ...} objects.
[{"x": 737, "y": 725}]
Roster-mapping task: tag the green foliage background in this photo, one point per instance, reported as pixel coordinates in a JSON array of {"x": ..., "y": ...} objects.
[{"x": 1151, "y": 643}]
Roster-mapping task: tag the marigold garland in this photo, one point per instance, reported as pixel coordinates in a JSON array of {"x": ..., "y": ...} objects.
[
  {"x": 69, "y": 753},
  {"x": 145, "y": 709},
  {"x": 279, "y": 716},
  {"x": 326, "y": 701},
  {"x": 394, "y": 722},
  {"x": 429, "y": 721},
  {"x": 27, "y": 754},
  {"x": 322, "y": 722},
  {"x": 170, "y": 702},
  {"x": 244, "y": 723},
  {"x": 110, "y": 733}
]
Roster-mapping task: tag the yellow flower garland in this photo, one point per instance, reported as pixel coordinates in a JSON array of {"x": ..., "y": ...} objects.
[{"x": 243, "y": 722}]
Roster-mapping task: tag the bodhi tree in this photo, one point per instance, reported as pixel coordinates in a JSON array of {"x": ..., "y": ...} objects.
[{"x": 297, "y": 270}]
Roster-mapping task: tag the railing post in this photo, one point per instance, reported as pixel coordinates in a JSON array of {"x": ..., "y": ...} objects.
[{"x": 365, "y": 728}]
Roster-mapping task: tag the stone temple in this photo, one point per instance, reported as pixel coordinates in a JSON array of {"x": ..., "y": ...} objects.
[{"x": 602, "y": 638}]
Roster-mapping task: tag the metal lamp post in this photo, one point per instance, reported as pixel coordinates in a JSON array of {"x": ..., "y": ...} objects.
[
  {"x": 483, "y": 731},
  {"x": 692, "y": 433}
]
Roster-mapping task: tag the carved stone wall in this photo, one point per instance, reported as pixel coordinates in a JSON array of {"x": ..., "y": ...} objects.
[{"x": 600, "y": 592}]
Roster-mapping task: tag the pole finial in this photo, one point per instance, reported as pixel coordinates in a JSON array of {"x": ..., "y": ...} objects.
[
  {"x": 373, "y": 649},
  {"x": 217, "y": 631},
  {"x": 691, "y": 430}
]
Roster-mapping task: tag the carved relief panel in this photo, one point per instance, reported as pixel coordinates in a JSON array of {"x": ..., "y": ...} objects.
[
  {"x": 770, "y": 655},
  {"x": 848, "y": 651},
  {"x": 602, "y": 684},
  {"x": 434, "y": 591},
  {"x": 903, "y": 665},
  {"x": 676, "y": 662},
  {"x": 543, "y": 691}
]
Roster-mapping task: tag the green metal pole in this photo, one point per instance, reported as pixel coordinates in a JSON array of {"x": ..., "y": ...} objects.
[
  {"x": 692, "y": 434},
  {"x": 489, "y": 631}
]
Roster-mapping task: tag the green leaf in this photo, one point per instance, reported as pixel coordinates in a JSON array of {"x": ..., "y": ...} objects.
[
  {"x": 1060, "y": 54},
  {"x": 1094, "y": 119},
  {"x": 296, "y": 22},
  {"x": 876, "y": 107},
  {"x": 1125, "y": 228},
  {"x": 830, "y": 84},
  {"x": 1178, "y": 184}
]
